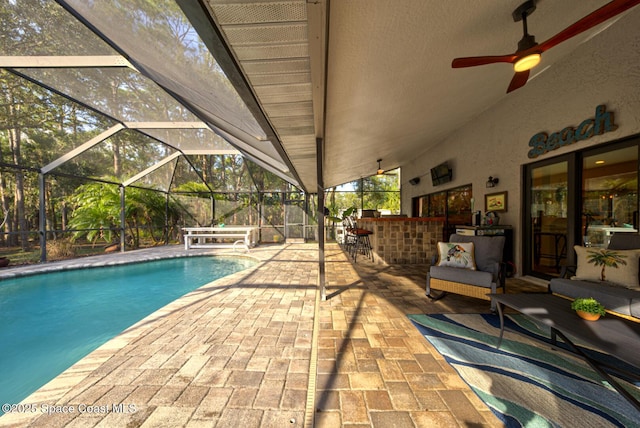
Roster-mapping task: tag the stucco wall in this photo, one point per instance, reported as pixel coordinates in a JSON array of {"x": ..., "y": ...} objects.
[{"x": 604, "y": 70}]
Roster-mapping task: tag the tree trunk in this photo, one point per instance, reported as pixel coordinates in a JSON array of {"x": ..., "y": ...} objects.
[
  {"x": 4, "y": 201},
  {"x": 115, "y": 140},
  {"x": 206, "y": 165},
  {"x": 63, "y": 209},
  {"x": 50, "y": 213},
  {"x": 117, "y": 158},
  {"x": 14, "y": 139}
]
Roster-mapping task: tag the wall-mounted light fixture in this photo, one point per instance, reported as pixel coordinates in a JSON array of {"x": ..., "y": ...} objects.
[
  {"x": 380, "y": 170},
  {"x": 491, "y": 182}
]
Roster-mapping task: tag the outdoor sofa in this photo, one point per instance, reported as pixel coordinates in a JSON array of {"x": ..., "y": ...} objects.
[{"x": 620, "y": 292}]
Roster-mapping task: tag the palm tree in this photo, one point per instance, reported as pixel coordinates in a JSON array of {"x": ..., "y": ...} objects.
[
  {"x": 606, "y": 258},
  {"x": 96, "y": 212}
]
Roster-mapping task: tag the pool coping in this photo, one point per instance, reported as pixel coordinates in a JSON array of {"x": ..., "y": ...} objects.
[{"x": 114, "y": 259}]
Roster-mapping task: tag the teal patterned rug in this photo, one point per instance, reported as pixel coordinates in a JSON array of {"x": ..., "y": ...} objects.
[{"x": 526, "y": 382}]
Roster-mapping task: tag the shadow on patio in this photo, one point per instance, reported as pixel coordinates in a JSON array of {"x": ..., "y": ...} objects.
[{"x": 374, "y": 367}]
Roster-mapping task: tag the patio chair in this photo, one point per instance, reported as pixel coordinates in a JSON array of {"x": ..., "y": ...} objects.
[{"x": 488, "y": 276}]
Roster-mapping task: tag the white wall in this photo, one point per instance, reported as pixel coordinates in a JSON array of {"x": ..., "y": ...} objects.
[{"x": 604, "y": 70}]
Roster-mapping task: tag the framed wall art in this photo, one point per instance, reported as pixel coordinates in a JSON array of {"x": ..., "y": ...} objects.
[{"x": 496, "y": 201}]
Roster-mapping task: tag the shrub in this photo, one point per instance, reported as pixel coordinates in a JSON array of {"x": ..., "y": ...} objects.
[{"x": 60, "y": 249}]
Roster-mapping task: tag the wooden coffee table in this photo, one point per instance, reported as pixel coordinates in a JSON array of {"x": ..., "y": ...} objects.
[{"x": 613, "y": 335}]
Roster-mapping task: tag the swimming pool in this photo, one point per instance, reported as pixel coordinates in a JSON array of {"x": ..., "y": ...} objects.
[{"x": 50, "y": 321}]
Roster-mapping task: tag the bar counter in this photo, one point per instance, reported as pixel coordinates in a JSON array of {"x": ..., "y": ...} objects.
[{"x": 403, "y": 240}]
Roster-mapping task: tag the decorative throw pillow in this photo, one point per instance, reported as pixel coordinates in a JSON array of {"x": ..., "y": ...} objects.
[
  {"x": 456, "y": 254},
  {"x": 626, "y": 274}
]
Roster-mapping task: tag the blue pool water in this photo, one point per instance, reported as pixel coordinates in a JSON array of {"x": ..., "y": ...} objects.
[{"x": 50, "y": 321}]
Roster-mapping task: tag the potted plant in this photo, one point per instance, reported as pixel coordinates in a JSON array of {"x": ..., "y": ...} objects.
[{"x": 588, "y": 308}]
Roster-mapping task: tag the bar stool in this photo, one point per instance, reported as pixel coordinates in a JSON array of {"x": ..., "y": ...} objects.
[
  {"x": 359, "y": 237},
  {"x": 349, "y": 237}
]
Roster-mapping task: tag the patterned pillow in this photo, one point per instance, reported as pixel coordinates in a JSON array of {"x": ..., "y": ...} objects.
[
  {"x": 626, "y": 274},
  {"x": 456, "y": 254}
]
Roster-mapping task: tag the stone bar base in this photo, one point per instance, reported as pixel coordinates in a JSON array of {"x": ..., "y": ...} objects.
[{"x": 403, "y": 240}]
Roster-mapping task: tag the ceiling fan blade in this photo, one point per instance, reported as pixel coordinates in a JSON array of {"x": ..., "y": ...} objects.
[
  {"x": 482, "y": 60},
  {"x": 518, "y": 81},
  {"x": 596, "y": 17}
]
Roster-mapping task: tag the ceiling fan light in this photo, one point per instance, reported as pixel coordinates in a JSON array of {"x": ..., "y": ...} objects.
[{"x": 527, "y": 62}]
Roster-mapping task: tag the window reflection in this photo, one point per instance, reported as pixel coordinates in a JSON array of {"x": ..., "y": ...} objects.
[
  {"x": 454, "y": 205},
  {"x": 609, "y": 195},
  {"x": 549, "y": 210}
]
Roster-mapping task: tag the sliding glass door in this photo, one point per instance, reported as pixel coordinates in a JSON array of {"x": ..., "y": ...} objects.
[
  {"x": 581, "y": 198},
  {"x": 548, "y": 214}
]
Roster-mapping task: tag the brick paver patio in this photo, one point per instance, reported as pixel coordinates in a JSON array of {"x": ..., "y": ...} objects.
[{"x": 238, "y": 353}]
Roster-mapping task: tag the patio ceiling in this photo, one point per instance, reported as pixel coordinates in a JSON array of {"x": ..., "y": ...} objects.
[{"x": 371, "y": 78}]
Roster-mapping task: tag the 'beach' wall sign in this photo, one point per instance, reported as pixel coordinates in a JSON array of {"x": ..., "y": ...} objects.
[{"x": 542, "y": 143}]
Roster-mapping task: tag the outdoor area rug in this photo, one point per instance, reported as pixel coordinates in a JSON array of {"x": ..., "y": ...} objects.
[{"x": 526, "y": 382}]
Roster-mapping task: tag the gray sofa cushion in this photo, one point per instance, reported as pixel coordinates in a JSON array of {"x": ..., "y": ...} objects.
[
  {"x": 488, "y": 250},
  {"x": 612, "y": 297},
  {"x": 465, "y": 276},
  {"x": 635, "y": 307}
]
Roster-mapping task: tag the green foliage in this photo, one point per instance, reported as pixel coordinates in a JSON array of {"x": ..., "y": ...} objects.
[
  {"x": 96, "y": 211},
  {"x": 589, "y": 305},
  {"x": 370, "y": 193},
  {"x": 146, "y": 210},
  {"x": 333, "y": 216},
  {"x": 200, "y": 189}
]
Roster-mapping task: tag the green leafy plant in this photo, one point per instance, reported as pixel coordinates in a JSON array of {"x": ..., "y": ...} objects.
[
  {"x": 589, "y": 305},
  {"x": 605, "y": 258},
  {"x": 346, "y": 213}
]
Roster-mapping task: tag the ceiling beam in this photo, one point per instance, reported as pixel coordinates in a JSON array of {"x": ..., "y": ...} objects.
[
  {"x": 197, "y": 152},
  {"x": 166, "y": 125},
  {"x": 247, "y": 149},
  {"x": 80, "y": 149},
  {"x": 152, "y": 168},
  {"x": 317, "y": 13},
  {"x": 71, "y": 61}
]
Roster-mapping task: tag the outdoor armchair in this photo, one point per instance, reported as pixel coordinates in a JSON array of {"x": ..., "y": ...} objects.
[{"x": 487, "y": 277}]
